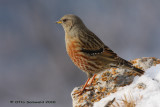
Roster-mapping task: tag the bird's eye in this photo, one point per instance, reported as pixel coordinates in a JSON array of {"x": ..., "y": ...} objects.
[{"x": 64, "y": 20}]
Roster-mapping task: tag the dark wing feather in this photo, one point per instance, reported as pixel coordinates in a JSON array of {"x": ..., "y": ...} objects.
[
  {"x": 93, "y": 52},
  {"x": 109, "y": 52},
  {"x": 90, "y": 43}
]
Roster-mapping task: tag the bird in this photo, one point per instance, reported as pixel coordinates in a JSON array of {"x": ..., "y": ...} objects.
[{"x": 88, "y": 52}]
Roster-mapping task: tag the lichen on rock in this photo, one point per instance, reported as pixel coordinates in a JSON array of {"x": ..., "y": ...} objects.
[{"x": 109, "y": 81}]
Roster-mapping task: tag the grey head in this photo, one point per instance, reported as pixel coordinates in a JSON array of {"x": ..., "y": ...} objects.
[{"x": 70, "y": 22}]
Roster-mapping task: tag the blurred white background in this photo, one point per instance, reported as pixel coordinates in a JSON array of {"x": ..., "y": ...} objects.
[{"x": 34, "y": 64}]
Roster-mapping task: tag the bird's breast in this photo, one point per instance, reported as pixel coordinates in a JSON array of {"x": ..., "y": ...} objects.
[
  {"x": 85, "y": 62},
  {"x": 74, "y": 51},
  {"x": 74, "y": 48}
]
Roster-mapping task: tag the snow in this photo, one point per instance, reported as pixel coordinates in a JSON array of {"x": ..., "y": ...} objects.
[{"x": 147, "y": 97}]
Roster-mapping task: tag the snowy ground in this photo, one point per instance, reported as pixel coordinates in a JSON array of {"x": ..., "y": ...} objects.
[{"x": 148, "y": 97}]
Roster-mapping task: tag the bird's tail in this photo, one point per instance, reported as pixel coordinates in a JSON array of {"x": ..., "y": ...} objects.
[{"x": 125, "y": 64}]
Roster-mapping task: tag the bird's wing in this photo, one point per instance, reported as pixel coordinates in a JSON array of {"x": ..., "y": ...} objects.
[
  {"x": 92, "y": 45},
  {"x": 109, "y": 52}
]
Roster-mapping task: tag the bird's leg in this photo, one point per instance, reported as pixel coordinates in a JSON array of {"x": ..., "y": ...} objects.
[
  {"x": 91, "y": 80},
  {"x": 83, "y": 89},
  {"x": 86, "y": 85}
]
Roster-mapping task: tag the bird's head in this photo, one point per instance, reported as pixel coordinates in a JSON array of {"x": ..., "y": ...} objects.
[{"x": 70, "y": 22}]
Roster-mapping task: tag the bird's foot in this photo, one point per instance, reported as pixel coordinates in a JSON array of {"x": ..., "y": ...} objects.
[
  {"x": 84, "y": 89},
  {"x": 86, "y": 85}
]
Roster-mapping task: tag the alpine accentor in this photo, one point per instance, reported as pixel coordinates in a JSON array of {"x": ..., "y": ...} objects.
[{"x": 87, "y": 51}]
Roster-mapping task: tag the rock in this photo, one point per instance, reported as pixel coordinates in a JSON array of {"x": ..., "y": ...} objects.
[{"x": 109, "y": 81}]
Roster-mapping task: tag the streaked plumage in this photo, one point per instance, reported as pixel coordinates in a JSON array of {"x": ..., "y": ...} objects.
[{"x": 87, "y": 51}]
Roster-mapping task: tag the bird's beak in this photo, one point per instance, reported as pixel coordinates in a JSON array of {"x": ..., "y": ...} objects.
[{"x": 59, "y": 22}]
